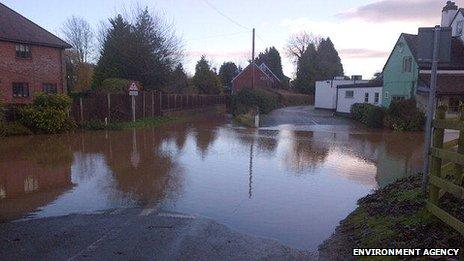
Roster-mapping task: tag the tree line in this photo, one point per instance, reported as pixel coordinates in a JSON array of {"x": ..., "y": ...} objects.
[{"x": 144, "y": 47}]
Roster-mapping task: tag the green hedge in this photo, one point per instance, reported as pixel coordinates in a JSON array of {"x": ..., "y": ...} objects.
[
  {"x": 48, "y": 113},
  {"x": 368, "y": 114},
  {"x": 404, "y": 116},
  {"x": 247, "y": 99}
]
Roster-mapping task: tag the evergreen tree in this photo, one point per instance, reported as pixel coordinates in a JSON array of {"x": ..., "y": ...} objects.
[
  {"x": 307, "y": 70},
  {"x": 115, "y": 52},
  {"x": 227, "y": 72},
  {"x": 329, "y": 63},
  {"x": 145, "y": 51},
  {"x": 272, "y": 59},
  {"x": 206, "y": 80},
  {"x": 179, "y": 80}
]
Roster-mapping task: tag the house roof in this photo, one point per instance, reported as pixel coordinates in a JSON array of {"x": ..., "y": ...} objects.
[
  {"x": 370, "y": 84},
  {"x": 447, "y": 84},
  {"x": 411, "y": 41},
  {"x": 265, "y": 68},
  {"x": 255, "y": 65},
  {"x": 17, "y": 28}
]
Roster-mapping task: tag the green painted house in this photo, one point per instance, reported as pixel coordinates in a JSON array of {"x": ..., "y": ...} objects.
[{"x": 401, "y": 71}]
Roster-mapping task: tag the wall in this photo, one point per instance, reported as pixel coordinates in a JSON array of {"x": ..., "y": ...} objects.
[
  {"x": 344, "y": 104},
  {"x": 397, "y": 82},
  {"x": 326, "y": 93},
  {"x": 45, "y": 66}
]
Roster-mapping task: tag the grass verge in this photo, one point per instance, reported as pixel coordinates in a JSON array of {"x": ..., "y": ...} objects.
[{"x": 394, "y": 217}]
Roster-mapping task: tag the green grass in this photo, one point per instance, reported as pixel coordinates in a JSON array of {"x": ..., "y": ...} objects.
[{"x": 394, "y": 217}]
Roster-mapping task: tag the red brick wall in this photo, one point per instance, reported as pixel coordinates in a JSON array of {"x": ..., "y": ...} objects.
[
  {"x": 45, "y": 66},
  {"x": 244, "y": 80}
]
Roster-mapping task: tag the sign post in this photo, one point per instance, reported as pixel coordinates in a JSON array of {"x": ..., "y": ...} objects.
[
  {"x": 133, "y": 91},
  {"x": 434, "y": 47}
]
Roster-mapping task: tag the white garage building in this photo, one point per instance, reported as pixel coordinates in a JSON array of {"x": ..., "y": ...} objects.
[
  {"x": 325, "y": 96},
  {"x": 349, "y": 94}
]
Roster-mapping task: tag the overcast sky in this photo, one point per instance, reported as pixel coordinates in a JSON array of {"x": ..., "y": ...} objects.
[{"x": 363, "y": 31}]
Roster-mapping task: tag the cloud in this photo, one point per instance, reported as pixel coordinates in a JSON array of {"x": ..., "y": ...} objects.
[
  {"x": 425, "y": 11},
  {"x": 360, "y": 53}
]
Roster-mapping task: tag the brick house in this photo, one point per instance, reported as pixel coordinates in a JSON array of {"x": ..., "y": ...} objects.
[
  {"x": 31, "y": 59},
  {"x": 264, "y": 78}
]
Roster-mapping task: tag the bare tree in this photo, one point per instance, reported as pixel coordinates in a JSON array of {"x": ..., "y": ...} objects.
[
  {"x": 299, "y": 42},
  {"x": 79, "y": 34}
]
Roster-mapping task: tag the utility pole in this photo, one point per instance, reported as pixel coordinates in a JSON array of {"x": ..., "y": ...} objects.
[
  {"x": 431, "y": 107},
  {"x": 253, "y": 61}
]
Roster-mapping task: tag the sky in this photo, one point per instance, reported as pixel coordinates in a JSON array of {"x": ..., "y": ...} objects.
[{"x": 363, "y": 31}]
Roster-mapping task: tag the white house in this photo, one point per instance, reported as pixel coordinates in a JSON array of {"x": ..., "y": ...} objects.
[
  {"x": 349, "y": 94},
  {"x": 326, "y": 91}
]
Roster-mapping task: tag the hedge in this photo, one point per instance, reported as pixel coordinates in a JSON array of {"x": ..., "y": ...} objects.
[
  {"x": 368, "y": 114},
  {"x": 404, "y": 115},
  {"x": 48, "y": 113},
  {"x": 247, "y": 99}
]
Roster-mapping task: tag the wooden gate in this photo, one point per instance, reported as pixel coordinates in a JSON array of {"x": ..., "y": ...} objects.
[{"x": 446, "y": 166}]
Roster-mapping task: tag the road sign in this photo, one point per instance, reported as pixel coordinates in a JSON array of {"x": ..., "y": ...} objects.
[
  {"x": 133, "y": 89},
  {"x": 426, "y": 44}
]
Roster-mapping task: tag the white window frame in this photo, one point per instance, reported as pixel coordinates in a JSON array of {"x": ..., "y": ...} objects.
[{"x": 349, "y": 96}]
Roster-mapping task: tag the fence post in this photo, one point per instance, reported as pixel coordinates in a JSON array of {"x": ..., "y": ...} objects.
[
  {"x": 81, "y": 109},
  {"x": 161, "y": 102},
  {"x": 152, "y": 104},
  {"x": 435, "y": 162},
  {"x": 108, "y": 100},
  {"x": 144, "y": 105},
  {"x": 458, "y": 168}
]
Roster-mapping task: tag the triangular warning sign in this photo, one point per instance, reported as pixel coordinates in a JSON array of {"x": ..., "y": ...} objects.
[{"x": 133, "y": 87}]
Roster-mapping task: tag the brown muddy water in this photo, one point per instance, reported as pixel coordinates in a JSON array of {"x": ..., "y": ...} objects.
[{"x": 290, "y": 184}]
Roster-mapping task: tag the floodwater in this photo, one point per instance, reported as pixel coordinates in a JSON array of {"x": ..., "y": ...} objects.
[{"x": 290, "y": 183}]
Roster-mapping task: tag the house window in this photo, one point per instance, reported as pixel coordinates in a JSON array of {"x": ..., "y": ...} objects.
[
  {"x": 366, "y": 97},
  {"x": 407, "y": 64},
  {"x": 20, "y": 89},
  {"x": 23, "y": 51},
  {"x": 376, "y": 97},
  {"x": 397, "y": 98},
  {"x": 49, "y": 88},
  {"x": 349, "y": 94},
  {"x": 459, "y": 27}
]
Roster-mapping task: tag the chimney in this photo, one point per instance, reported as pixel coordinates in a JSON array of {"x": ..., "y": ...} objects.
[{"x": 448, "y": 13}]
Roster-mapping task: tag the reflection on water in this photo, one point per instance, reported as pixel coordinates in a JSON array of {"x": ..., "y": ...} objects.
[{"x": 291, "y": 185}]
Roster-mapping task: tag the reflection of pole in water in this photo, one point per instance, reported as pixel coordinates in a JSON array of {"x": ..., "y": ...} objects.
[
  {"x": 250, "y": 182},
  {"x": 135, "y": 157}
]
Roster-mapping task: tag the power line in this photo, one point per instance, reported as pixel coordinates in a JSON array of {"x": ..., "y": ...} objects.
[
  {"x": 215, "y": 36},
  {"x": 224, "y": 15}
]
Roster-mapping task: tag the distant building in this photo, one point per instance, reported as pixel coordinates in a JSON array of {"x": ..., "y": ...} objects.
[
  {"x": 349, "y": 94},
  {"x": 326, "y": 91},
  {"x": 31, "y": 59},
  {"x": 405, "y": 77},
  {"x": 264, "y": 78}
]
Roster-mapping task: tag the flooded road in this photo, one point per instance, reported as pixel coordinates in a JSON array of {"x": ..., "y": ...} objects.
[{"x": 290, "y": 182}]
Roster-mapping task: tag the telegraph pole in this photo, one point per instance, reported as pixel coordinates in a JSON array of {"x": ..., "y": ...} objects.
[{"x": 253, "y": 61}]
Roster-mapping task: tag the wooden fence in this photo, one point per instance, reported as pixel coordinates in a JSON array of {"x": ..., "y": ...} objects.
[
  {"x": 118, "y": 107},
  {"x": 448, "y": 177}
]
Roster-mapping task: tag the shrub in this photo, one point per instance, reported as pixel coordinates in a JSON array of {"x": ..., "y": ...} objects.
[
  {"x": 116, "y": 85},
  {"x": 13, "y": 129},
  {"x": 405, "y": 116},
  {"x": 48, "y": 113},
  {"x": 368, "y": 114},
  {"x": 247, "y": 99}
]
